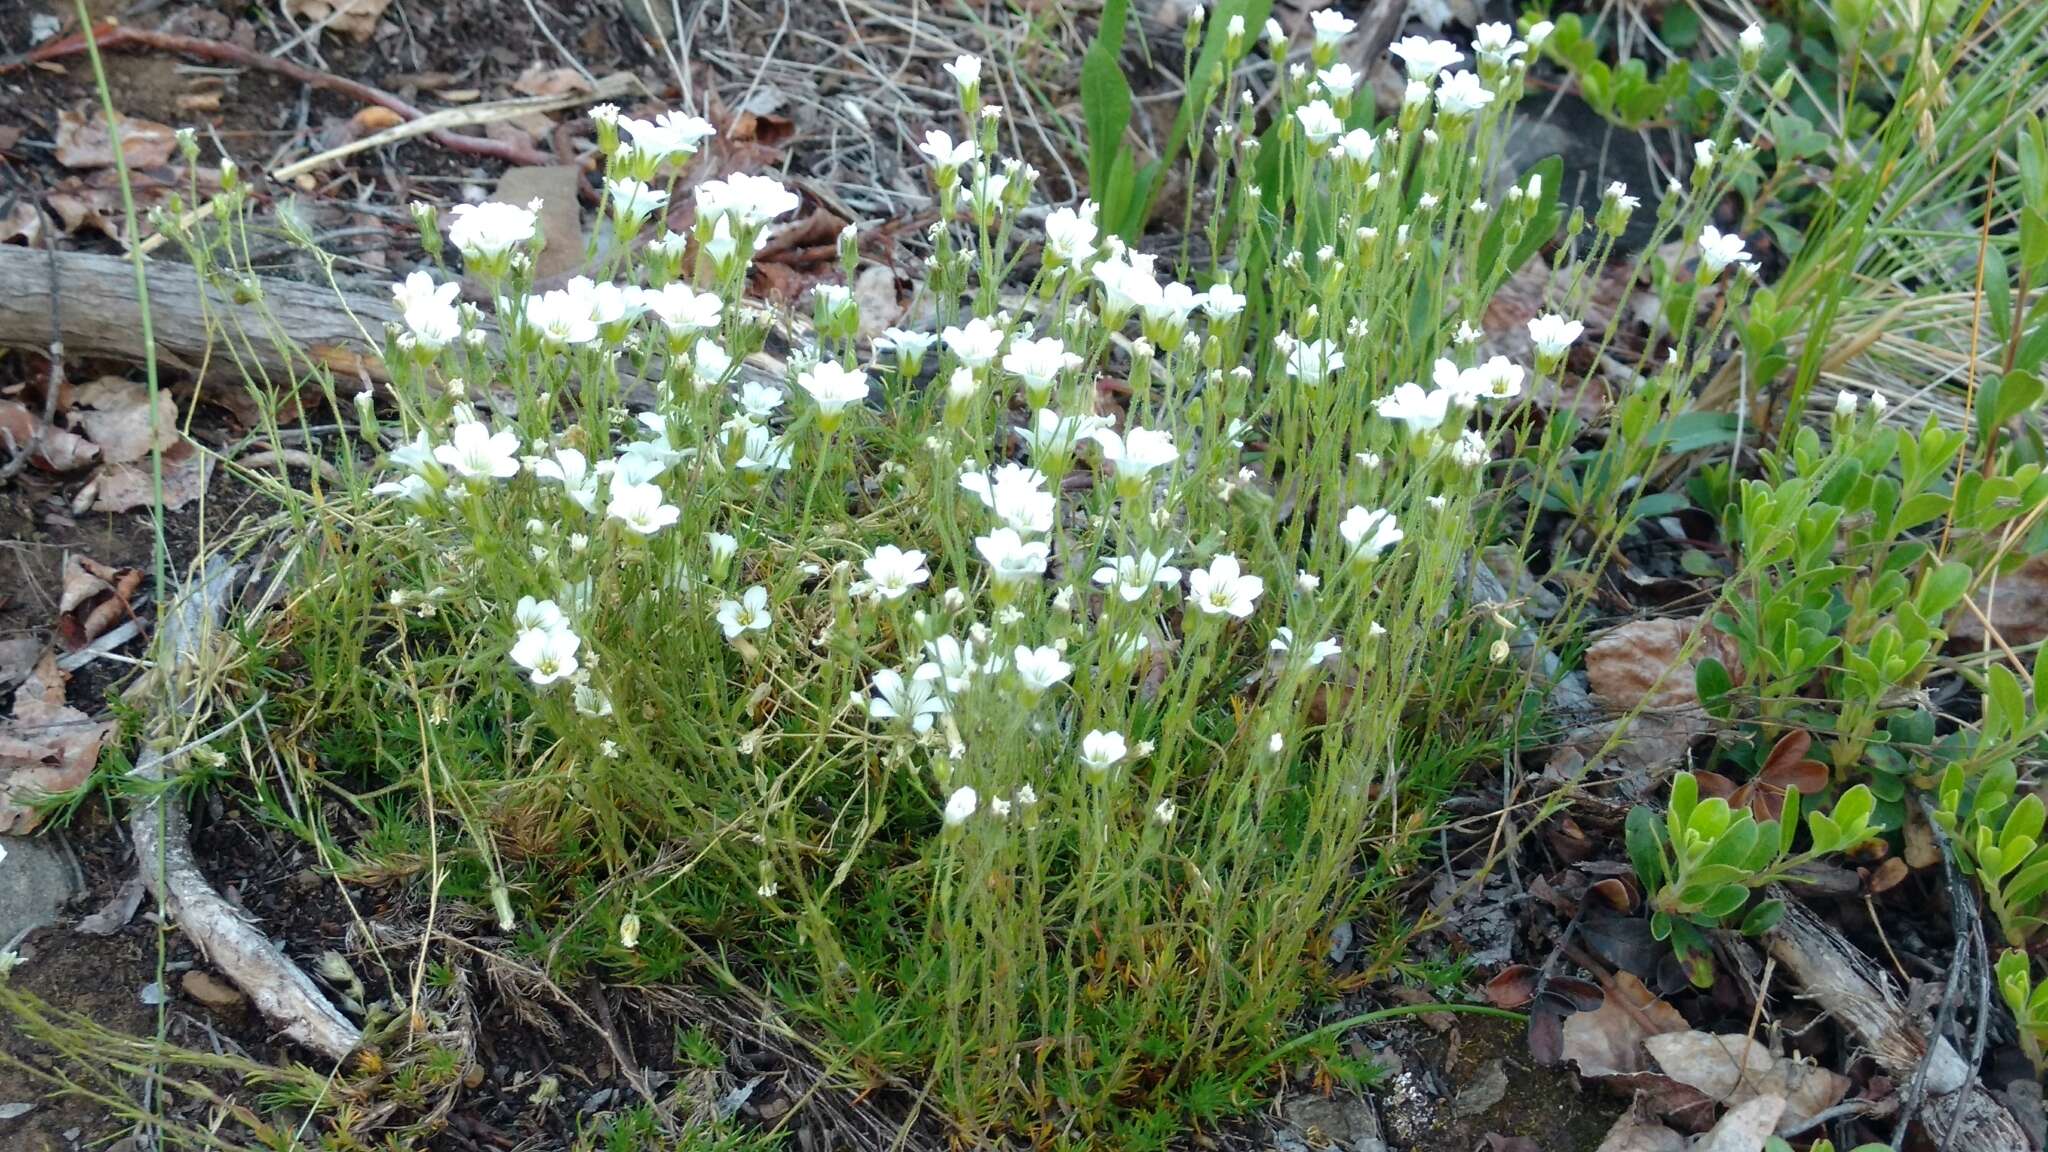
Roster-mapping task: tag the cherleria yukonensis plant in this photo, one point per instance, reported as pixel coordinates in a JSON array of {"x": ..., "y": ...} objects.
[{"x": 1024, "y": 697}]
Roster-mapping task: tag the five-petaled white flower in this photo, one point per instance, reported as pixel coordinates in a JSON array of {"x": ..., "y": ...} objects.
[
  {"x": 965, "y": 71},
  {"x": 1070, "y": 234},
  {"x": 669, "y": 135},
  {"x": 491, "y": 229},
  {"x": 547, "y": 654},
  {"x": 1011, "y": 558},
  {"x": 749, "y": 201},
  {"x": 1552, "y": 334},
  {"x": 1330, "y": 25},
  {"x": 976, "y": 344},
  {"x": 1138, "y": 452},
  {"x": 474, "y": 451},
  {"x": 572, "y": 471},
  {"x": 1133, "y": 576},
  {"x": 633, "y": 199},
  {"x": 1039, "y": 363},
  {"x": 1319, "y": 123},
  {"x": 1041, "y": 667},
  {"x": 1312, "y": 361},
  {"x": 893, "y": 572},
  {"x": 641, "y": 508},
  {"x": 1223, "y": 588},
  {"x": 946, "y": 156},
  {"x": 1016, "y": 494},
  {"x": 683, "y": 310},
  {"x": 1421, "y": 411},
  {"x": 1369, "y": 531},
  {"x": 1461, "y": 94},
  {"x": 1317, "y": 654},
  {"x": 832, "y": 386},
  {"x": 562, "y": 317},
  {"x": 1423, "y": 58},
  {"x": 1101, "y": 751},
  {"x": 531, "y": 614},
  {"x": 749, "y": 613},
  {"x": 1719, "y": 249},
  {"x": 914, "y": 701}
]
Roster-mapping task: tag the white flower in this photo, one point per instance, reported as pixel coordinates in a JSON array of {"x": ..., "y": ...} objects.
[
  {"x": 1718, "y": 249},
  {"x": 669, "y": 135},
  {"x": 547, "y": 654},
  {"x": 1127, "y": 283},
  {"x": 532, "y": 614},
  {"x": 1331, "y": 26},
  {"x": 1496, "y": 42},
  {"x": 961, "y": 804},
  {"x": 914, "y": 701},
  {"x": 1461, "y": 94},
  {"x": 965, "y": 71},
  {"x": 1016, "y": 494},
  {"x": 956, "y": 664},
  {"x": 1497, "y": 379},
  {"x": 1539, "y": 32},
  {"x": 1164, "y": 811},
  {"x": 1703, "y": 154},
  {"x": 1070, "y": 234},
  {"x": 724, "y": 546},
  {"x": 1318, "y": 122},
  {"x": 571, "y": 470},
  {"x": 1276, "y": 743},
  {"x": 1134, "y": 576},
  {"x": 433, "y": 325},
  {"x": 419, "y": 290},
  {"x": 1171, "y": 305},
  {"x": 683, "y": 310},
  {"x": 1339, "y": 80},
  {"x": 1051, "y": 434},
  {"x": 1041, "y": 667},
  {"x": 1422, "y": 58},
  {"x": 1101, "y": 751},
  {"x": 1553, "y": 334},
  {"x": 609, "y": 303},
  {"x": 750, "y": 201},
  {"x": 894, "y": 572},
  {"x": 641, "y": 507},
  {"x": 411, "y": 487},
  {"x": 1878, "y": 403},
  {"x": 976, "y": 344},
  {"x": 1137, "y": 453},
  {"x": 938, "y": 147},
  {"x": 762, "y": 451},
  {"x": 1011, "y": 558},
  {"x": 1222, "y": 302},
  {"x": 749, "y": 613},
  {"x": 1223, "y": 589},
  {"x": 1357, "y": 145},
  {"x": 1039, "y": 363},
  {"x": 1369, "y": 531},
  {"x": 1318, "y": 653},
  {"x": 1845, "y": 403},
  {"x": 633, "y": 199},
  {"x": 474, "y": 451},
  {"x": 759, "y": 401},
  {"x": 487, "y": 230},
  {"x": 1312, "y": 361},
  {"x": 561, "y": 317},
  {"x": 832, "y": 386},
  {"x": 1470, "y": 451},
  {"x": 906, "y": 344},
  {"x": 1421, "y": 411},
  {"x": 709, "y": 362},
  {"x": 1752, "y": 38}
]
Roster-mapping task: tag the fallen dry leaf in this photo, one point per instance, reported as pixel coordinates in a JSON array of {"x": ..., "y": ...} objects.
[
  {"x": 84, "y": 142},
  {"x": 96, "y": 597},
  {"x": 124, "y": 487},
  {"x": 539, "y": 81},
  {"x": 58, "y": 451},
  {"x": 1637, "y": 1130},
  {"x": 2017, "y": 605},
  {"x": 357, "y": 18},
  {"x": 21, "y": 223},
  {"x": 114, "y": 413},
  {"x": 1609, "y": 1040},
  {"x": 46, "y": 747},
  {"x": 372, "y": 119},
  {"x": 1638, "y": 664},
  {"x": 1734, "y": 1069},
  {"x": 1746, "y": 1126},
  {"x": 18, "y": 656}
]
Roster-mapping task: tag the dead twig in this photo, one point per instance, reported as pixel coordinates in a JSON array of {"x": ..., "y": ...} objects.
[{"x": 113, "y": 34}]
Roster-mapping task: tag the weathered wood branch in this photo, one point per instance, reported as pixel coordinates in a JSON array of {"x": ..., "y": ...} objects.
[
  {"x": 1861, "y": 996},
  {"x": 292, "y": 328}
]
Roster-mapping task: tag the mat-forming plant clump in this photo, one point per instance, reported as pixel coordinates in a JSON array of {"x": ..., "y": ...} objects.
[{"x": 1024, "y": 698}]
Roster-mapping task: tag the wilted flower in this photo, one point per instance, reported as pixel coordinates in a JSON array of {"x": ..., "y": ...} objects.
[
  {"x": 1224, "y": 589},
  {"x": 749, "y": 613}
]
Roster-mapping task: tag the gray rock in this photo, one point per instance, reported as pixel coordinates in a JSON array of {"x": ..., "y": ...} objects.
[{"x": 36, "y": 879}]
